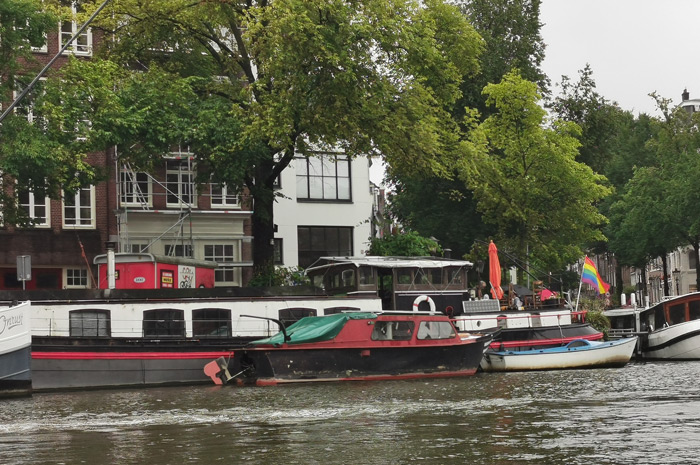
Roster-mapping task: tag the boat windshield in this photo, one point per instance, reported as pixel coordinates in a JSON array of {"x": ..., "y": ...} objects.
[
  {"x": 393, "y": 330},
  {"x": 436, "y": 330}
]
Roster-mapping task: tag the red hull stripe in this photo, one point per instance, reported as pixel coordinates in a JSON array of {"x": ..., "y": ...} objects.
[
  {"x": 544, "y": 342},
  {"x": 128, "y": 355},
  {"x": 443, "y": 374}
]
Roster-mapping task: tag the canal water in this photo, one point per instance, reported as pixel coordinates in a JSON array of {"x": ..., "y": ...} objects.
[{"x": 644, "y": 413}]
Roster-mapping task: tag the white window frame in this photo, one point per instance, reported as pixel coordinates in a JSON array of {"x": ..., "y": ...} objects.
[
  {"x": 69, "y": 274},
  {"x": 30, "y": 208},
  {"x": 27, "y": 106},
  {"x": 216, "y": 252},
  {"x": 220, "y": 197},
  {"x": 81, "y": 222},
  {"x": 44, "y": 48},
  {"x": 76, "y": 47},
  {"x": 131, "y": 197},
  {"x": 323, "y": 178},
  {"x": 185, "y": 174}
]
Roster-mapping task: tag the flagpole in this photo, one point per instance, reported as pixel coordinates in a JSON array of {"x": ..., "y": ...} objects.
[{"x": 580, "y": 282}]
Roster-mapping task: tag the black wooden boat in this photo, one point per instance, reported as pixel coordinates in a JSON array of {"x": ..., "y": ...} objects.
[{"x": 355, "y": 346}]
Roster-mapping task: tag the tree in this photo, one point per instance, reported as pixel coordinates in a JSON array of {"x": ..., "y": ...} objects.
[
  {"x": 23, "y": 25},
  {"x": 268, "y": 81},
  {"x": 442, "y": 206},
  {"x": 30, "y": 157},
  {"x": 527, "y": 180}
]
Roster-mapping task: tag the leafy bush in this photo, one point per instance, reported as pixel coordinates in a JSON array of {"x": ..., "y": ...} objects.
[
  {"x": 407, "y": 244},
  {"x": 595, "y": 316},
  {"x": 279, "y": 276}
]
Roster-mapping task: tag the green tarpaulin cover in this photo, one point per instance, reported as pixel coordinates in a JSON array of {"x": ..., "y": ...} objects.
[{"x": 315, "y": 328}]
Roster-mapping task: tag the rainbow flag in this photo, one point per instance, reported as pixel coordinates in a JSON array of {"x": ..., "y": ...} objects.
[{"x": 591, "y": 276}]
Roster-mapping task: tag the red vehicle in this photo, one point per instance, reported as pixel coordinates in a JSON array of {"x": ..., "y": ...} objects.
[{"x": 148, "y": 271}]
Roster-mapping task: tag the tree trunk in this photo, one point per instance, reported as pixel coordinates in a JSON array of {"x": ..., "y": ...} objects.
[
  {"x": 696, "y": 249},
  {"x": 263, "y": 220},
  {"x": 664, "y": 264}
]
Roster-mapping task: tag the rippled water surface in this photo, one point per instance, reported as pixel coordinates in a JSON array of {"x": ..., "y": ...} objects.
[{"x": 643, "y": 413}]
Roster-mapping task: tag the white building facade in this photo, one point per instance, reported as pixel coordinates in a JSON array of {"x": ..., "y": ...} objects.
[{"x": 325, "y": 209}]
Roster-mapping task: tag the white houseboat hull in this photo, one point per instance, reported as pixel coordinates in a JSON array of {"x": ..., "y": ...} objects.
[
  {"x": 678, "y": 342},
  {"x": 15, "y": 350}
]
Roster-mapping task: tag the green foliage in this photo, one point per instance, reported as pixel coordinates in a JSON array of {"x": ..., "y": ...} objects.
[
  {"x": 23, "y": 24},
  {"x": 442, "y": 205},
  {"x": 594, "y": 315},
  {"x": 407, "y": 244},
  {"x": 279, "y": 276},
  {"x": 527, "y": 181},
  {"x": 250, "y": 85}
]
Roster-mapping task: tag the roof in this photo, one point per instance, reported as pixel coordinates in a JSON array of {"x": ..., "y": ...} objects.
[
  {"x": 315, "y": 328},
  {"x": 124, "y": 257},
  {"x": 388, "y": 262}
]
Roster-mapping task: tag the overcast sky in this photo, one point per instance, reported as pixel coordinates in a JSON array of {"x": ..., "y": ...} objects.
[{"x": 634, "y": 47}]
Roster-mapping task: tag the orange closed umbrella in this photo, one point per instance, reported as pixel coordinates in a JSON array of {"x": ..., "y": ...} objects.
[{"x": 495, "y": 272}]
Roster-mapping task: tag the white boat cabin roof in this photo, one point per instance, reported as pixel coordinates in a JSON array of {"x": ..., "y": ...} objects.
[{"x": 388, "y": 262}]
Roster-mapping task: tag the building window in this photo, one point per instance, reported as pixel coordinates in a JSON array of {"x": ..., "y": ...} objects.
[
  {"x": 26, "y": 106},
  {"x": 323, "y": 178},
  {"x": 136, "y": 247},
  {"x": 82, "y": 45},
  {"x": 223, "y": 197},
  {"x": 76, "y": 277},
  {"x": 323, "y": 241},
  {"x": 179, "y": 182},
  {"x": 178, "y": 250},
  {"x": 211, "y": 322},
  {"x": 163, "y": 323},
  {"x": 278, "y": 257},
  {"x": 79, "y": 209},
  {"x": 135, "y": 188},
  {"x": 35, "y": 207},
  {"x": 89, "y": 323},
  {"x": 225, "y": 255},
  {"x": 291, "y": 315}
]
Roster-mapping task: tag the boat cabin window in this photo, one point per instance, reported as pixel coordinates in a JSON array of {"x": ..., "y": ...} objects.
[
  {"x": 89, "y": 323},
  {"x": 676, "y": 314},
  {"x": 291, "y": 315},
  {"x": 366, "y": 277},
  {"x": 694, "y": 310},
  {"x": 342, "y": 279},
  {"x": 659, "y": 318},
  {"x": 211, "y": 322},
  {"x": 334, "y": 310},
  {"x": 164, "y": 322},
  {"x": 429, "y": 276},
  {"x": 393, "y": 330},
  {"x": 436, "y": 330},
  {"x": 456, "y": 277},
  {"x": 404, "y": 277}
]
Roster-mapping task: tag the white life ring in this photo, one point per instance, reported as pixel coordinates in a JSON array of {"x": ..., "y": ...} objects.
[{"x": 423, "y": 298}]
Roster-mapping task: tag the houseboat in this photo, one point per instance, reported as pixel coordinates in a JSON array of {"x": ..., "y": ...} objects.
[
  {"x": 438, "y": 284},
  {"x": 110, "y": 338},
  {"x": 357, "y": 346},
  {"x": 15, "y": 347},
  {"x": 669, "y": 330}
]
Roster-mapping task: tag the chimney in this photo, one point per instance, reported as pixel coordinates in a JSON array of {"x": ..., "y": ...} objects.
[{"x": 685, "y": 95}]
